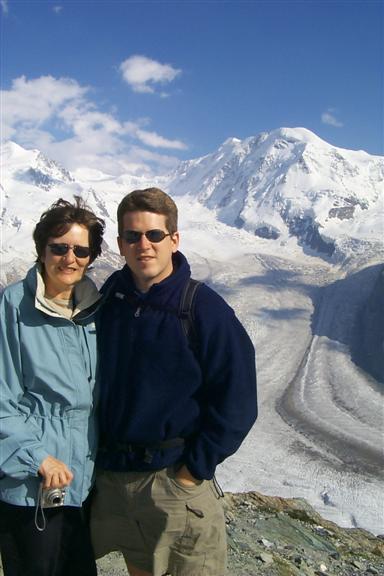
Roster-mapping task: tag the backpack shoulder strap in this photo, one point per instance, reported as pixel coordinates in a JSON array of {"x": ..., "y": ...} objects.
[{"x": 186, "y": 311}]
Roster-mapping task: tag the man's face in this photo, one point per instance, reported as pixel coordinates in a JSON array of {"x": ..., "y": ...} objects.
[{"x": 149, "y": 262}]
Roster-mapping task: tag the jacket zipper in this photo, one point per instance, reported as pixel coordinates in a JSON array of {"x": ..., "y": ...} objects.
[{"x": 138, "y": 311}]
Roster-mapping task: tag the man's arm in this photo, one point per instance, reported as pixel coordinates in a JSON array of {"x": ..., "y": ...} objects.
[{"x": 228, "y": 400}]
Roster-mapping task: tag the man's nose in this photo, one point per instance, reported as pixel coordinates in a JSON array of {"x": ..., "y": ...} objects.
[{"x": 144, "y": 242}]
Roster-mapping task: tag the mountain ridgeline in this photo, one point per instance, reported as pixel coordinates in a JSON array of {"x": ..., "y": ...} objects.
[
  {"x": 280, "y": 185},
  {"x": 288, "y": 183}
]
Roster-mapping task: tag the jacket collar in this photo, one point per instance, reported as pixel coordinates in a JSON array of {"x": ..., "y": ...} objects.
[
  {"x": 86, "y": 294},
  {"x": 162, "y": 293}
]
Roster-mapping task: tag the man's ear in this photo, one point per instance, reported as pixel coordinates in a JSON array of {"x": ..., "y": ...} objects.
[{"x": 175, "y": 239}]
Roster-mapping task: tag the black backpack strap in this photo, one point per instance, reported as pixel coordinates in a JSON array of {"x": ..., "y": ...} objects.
[{"x": 186, "y": 311}]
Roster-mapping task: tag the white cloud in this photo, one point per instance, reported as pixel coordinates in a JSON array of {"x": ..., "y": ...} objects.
[
  {"x": 57, "y": 9},
  {"x": 32, "y": 102},
  {"x": 57, "y": 116},
  {"x": 4, "y": 6},
  {"x": 156, "y": 141},
  {"x": 328, "y": 117},
  {"x": 141, "y": 73}
]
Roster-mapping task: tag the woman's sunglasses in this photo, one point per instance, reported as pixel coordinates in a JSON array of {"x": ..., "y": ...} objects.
[
  {"x": 134, "y": 236},
  {"x": 60, "y": 249}
]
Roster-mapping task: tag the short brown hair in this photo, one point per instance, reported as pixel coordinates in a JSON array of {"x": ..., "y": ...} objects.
[
  {"x": 148, "y": 200},
  {"x": 58, "y": 219}
]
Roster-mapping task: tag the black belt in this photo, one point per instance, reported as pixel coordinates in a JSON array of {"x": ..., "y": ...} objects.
[{"x": 148, "y": 449}]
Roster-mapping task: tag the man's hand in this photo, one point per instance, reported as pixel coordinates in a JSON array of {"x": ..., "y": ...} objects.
[
  {"x": 55, "y": 473},
  {"x": 184, "y": 476}
]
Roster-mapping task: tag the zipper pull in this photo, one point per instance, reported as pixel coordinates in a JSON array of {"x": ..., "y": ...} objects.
[{"x": 137, "y": 313}]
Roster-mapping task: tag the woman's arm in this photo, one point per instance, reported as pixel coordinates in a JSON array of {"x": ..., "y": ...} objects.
[{"x": 21, "y": 452}]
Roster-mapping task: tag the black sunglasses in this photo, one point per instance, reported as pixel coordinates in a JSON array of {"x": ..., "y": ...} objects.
[
  {"x": 60, "y": 249},
  {"x": 134, "y": 236}
]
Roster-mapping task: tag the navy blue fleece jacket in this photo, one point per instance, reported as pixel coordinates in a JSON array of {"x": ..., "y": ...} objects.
[{"x": 155, "y": 388}]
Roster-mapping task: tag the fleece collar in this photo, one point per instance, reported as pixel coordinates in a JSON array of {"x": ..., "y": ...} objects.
[{"x": 164, "y": 293}]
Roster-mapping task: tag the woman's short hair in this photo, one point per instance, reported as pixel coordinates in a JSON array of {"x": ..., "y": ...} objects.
[
  {"x": 58, "y": 219},
  {"x": 148, "y": 200}
]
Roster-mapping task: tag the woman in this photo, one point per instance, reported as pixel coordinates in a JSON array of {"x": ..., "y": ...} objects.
[{"x": 47, "y": 399}]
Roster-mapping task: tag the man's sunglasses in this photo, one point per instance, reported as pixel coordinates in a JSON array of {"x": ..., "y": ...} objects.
[
  {"x": 134, "y": 236},
  {"x": 60, "y": 249}
]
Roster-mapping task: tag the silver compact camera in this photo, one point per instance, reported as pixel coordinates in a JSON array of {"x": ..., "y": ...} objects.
[{"x": 52, "y": 497}]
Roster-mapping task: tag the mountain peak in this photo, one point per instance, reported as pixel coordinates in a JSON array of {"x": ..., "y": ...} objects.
[
  {"x": 13, "y": 153},
  {"x": 231, "y": 141},
  {"x": 32, "y": 166},
  {"x": 289, "y": 182},
  {"x": 298, "y": 134}
]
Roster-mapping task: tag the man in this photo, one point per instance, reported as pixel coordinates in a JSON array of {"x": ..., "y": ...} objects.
[{"x": 170, "y": 411}]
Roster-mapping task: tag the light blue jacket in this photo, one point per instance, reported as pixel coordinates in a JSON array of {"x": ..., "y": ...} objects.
[{"x": 47, "y": 390}]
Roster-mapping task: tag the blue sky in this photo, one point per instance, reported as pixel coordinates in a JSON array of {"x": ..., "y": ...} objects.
[{"x": 133, "y": 86}]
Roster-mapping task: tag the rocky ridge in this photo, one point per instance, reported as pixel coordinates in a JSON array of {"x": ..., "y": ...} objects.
[{"x": 274, "y": 536}]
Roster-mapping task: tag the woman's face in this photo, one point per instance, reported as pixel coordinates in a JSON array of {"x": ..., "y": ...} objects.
[{"x": 62, "y": 273}]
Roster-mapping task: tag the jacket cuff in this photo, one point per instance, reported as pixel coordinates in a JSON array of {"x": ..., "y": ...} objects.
[
  {"x": 199, "y": 472},
  {"x": 39, "y": 455}
]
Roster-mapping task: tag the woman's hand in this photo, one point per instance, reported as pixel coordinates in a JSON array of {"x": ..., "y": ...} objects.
[
  {"x": 184, "y": 476},
  {"x": 55, "y": 473}
]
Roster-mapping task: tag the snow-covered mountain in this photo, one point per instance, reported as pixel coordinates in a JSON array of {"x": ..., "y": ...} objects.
[
  {"x": 290, "y": 182},
  {"x": 289, "y": 230},
  {"x": 31, "y": 182},
  {"x": 32, "y": 167},
  {"x": 283, "y": 185}
]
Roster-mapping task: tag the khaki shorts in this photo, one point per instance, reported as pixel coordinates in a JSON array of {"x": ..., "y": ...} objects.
[{"x": 158, "y": 524}]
